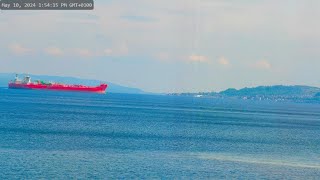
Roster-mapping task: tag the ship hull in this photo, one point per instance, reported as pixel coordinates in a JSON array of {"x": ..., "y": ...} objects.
[{"x": 56, "y": 87}]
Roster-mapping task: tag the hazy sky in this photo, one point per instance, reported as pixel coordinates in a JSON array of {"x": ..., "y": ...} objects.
[{"x": 169, "y": 45}]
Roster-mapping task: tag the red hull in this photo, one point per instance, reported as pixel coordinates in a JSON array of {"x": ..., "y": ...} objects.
[{"x": 60, "y": 87}]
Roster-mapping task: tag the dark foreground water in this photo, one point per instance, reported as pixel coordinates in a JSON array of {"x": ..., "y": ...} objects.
[{"x": 69, "y": 135}]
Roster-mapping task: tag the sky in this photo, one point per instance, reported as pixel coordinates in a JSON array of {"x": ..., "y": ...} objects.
[{"x": 169, "y": 45}]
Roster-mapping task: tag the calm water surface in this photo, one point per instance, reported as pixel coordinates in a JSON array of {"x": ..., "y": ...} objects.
[{"x": 75, "y": 135}]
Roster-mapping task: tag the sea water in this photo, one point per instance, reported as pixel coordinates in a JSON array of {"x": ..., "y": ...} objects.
[{"x": 60, "y": 135}]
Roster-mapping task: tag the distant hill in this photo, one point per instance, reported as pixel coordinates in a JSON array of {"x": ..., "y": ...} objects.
[
  {"x": 113, "y": 88},
  {"x": 279, "y": 90}
]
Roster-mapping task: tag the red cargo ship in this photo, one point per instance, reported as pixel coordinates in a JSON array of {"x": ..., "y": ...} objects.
[{"x": 41, "y": 85}]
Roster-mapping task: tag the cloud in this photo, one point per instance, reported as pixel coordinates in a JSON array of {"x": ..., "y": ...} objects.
[
  {"x": 83, "y": 52},
  {"x": 263, "y": 64},
  {"x": 108, "y": 52},
  {"x": 123, "y": 49},
  {"x": 54, "y": 51},
  {"x": 162, "y": 56},
  {"x": 198, "y": 58},
  {"x": 223, "y": 61},
  {"x": 138, "y": 18},
  {"x": 117, "y": 50},
  {"x": 18, "y": 49}
]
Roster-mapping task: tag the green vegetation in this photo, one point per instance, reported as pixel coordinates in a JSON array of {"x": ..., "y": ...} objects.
[
  {"x": 279, "y": 90},
  {"x": 277, "y": 93}
]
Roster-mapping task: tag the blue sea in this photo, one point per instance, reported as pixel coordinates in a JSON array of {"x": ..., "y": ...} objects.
[{"x": 61, "y": 135}]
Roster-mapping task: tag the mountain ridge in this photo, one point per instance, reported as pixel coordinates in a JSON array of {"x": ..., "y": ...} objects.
[
  {"x": 283, "y": 90},
  {"x": 276, "y": 92}
]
